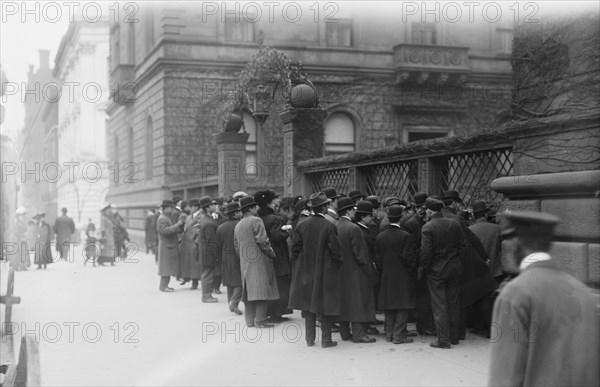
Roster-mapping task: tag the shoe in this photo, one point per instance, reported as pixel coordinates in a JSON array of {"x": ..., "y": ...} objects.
[
  {"x": 264, "y": 325},
  {"x": 440, "y": 344},
  {"x": 216, "y": 291},
  {"x": 194, "y": 287},
  {"x": 411, "y": 334},
  {"x": 425, "y": 332},
  {"x": 403, "y": 341},
  {"x": 365, "y": 340},
  {"x": 454, "y": 342},
  {"x": 277, "y": 319},
  {"x": 167, "y": 290},
  {"x": 335, "y": 328},
  {"x": 372, "y": 331},
  {"x": 377, "y": 322},
  {"x": 329, "y": 344},
  {"x": 250, "y": 325},
  {"x": 388, "y": 339},
  {"x": 236, "y": 311},
  {"x": 185, "y": 281},
  {"x": 347, "y": 338},
  {"x": 210, "y": 299},
  {"x": 310, "y": 343}
]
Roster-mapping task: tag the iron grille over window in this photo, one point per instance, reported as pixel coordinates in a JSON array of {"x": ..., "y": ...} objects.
[
  {"x": 337, "y": 179},
  {"x": 394, "y": 179}
]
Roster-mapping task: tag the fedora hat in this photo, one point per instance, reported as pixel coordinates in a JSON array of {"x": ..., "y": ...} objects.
[
  {"x": 344, "y": 203},
  {"x": 194, "y": 202},
  {"x": 355, "y": 194},
  {"x": 434, "y": 204},
  {"x": 364, "y": 207},
  {"x": 247, "y": 201},
  {"x": 451, "y": 194},
  {"x": 318, "y": 199},
  {"x": 301, "y": 204},
  {"x": 479, "y": 206},
  {"x": 176, "y": 199},
  {"x": 390, "y": 201},
  {"x": 238, "y": 195},
  {"x": 395, "y": 211},
  {"x": 205, "y": 201},
  {"x": 331, "y": 193},
  {"x": 167, "y": 203},
  {"x": 530, "y": 224},
  {"x": 419, "y": 199},
  {"x": 231, "y": 207},
  {"x": 374, "y": 200}
]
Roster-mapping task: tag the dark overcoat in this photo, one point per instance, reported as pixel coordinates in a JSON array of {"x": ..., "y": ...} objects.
[
  {"x": 190, "y": 266},
  {"x": 278, "y": 239},
  {"x": 168, "y": 251},
  {"x": 358, "y": 301},
  {"x": 412, "y": 224},
  {"x": 395, "y": 255},
  {"x": 316, "y": 269},
  {"x": 64, "y": 228},
  {"x": 476, "y": 279},
  {"x": 491, "y": 239},
  {"x": 151, "y": 238},
  {"x": 230, "y": 260},
  {"x": 545, "y": 331},
  {"x": 107, "y": 230},
  {"x": 256, "y": 259},
  {"x": 442, "y": 243},
  {"x": 175, "y": 214},
  {"x": 207, "y": 240},
  {"x": 43, "y": 243},
  {"x": 369, "y": 238}
]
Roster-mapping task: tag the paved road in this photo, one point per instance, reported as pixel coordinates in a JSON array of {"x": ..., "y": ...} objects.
[{"x": 111, "y": 326}]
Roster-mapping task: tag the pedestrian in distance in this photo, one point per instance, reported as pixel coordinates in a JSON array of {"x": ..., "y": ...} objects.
[
  {"x": 43, "y": 241},
  {"x": 64, "y": 227},
  {"x": 207, "y": 247}
]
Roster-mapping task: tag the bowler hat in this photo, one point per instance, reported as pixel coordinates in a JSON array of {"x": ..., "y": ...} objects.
[
  {"x": 194, "y": 202},
  {"x": 205, "y": 201},
  {"x": 364, "y": 207},
  {"x": 218, "y": 201},
  {"x": 434, "y": 204},
  {"x": 374, "y": 200},
  {"x": 355, "y": 194},
  {"x": 265, "y": 197},
  {"x": 389, "y": 201},
  {"x": 530, "y": 224},
  {"x": 167, "y": 203},
  {"x": 238, "y": 195},
  {"x": 301, "y": 204},
  {"x": 39, "y": 215},
  {"x": 318, "y": 199},
  {"x": 344, "y": 203},
  {"x": 419, "y": 199},
  {"x": 231, "y": 207},
  {"x": 395, "y": 211},
  {"x": 184, "y": 203},
  {"x": 331, "y": 193},
  {"x": 451, "y": 194},
  {"x": 247, "y": 201},
  {"x": 176, "y": 199},
  {"x": 479, "y": 206}
]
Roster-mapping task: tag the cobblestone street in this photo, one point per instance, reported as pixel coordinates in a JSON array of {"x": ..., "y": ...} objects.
[{"x": 111, "y": 326}]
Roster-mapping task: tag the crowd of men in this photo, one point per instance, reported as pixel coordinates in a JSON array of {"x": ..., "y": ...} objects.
[{"x": 428, "y": 260}]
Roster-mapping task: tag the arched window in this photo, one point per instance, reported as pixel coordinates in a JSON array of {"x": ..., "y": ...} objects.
[
  {"x": 251, "y": 154},
  {"x": 130, "y": 155},
  {"x": 149, "y": 149},
  {"x": 339, "y": 134}
]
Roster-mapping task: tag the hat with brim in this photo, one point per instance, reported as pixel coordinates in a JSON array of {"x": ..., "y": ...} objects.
[
  {"x": 479, "y": 206},
  {"x": 231, "y": 208},
  {"x": 394, "y": 211},
  {"x": 205, "y": 201},
  {"x": 167, "y": 203},
  {"x": 434, "y": 204},
  {"x": 247, "y": 201},
  {"x": 331, "y": 193},
  {"x": 263, "y": 198},
  {"x": 194, "y": 202},
  {"x": 419, "y": 199},
  {"x": 452, "y": 195},
  {"x": 318, "y": 199},
  {"x": 238, "y": 195},
  {"x": 364, "y": 207},
  {"x": 345, "y": 203},
  {"x": 537, "y": 225},
  {"x": 390, "y": 201},
  {"x": 176, "y": 199},
  {"x": 301, "y": 204},
  {"x": 355, "y": 194},
  {"x": 374, "y": 200}
]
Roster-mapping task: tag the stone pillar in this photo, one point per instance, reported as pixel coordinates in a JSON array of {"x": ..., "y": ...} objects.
[
  {"x": 302, "y": 140},
  {"x": 231, "y": 151}
]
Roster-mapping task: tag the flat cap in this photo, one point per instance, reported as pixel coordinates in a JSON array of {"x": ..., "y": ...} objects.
[
  {"x": 434, "y": 204},
  {"x": 530, "y": 224}
]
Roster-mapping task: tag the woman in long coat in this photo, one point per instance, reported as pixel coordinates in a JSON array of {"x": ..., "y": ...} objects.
[
  {"x": 259, "y": 284},
  {"x": 230, "y": 261},
  {"x": 43, "y": 242},
  {"x": 107, "y": 231}
]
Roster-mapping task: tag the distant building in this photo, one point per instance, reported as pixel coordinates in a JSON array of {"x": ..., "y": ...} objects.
[
  {"x": 81, "y": 67},
  {"x": 37, "y": 142},
  {"x": 382, "y": 81}
]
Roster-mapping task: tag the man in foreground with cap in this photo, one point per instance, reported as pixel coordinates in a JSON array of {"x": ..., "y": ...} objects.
[
  {"x": 358, "y": 302},
  {"x": 207, "y": 242},
  {"x": 259, "y": 283},
  {"x": 442, "y": 245},
  {"x": 64, "y": 227},
  {"x": 190, "y": 267},
  {"x": 230, "y": 260},
  {"x": 168, "y": 252},
  {"x": 545, "y": 320},
  {"x": 395, "y": 256},
  {"x": 315, "y": 288}
]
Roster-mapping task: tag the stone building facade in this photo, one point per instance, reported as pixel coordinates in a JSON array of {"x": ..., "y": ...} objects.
[
  {"x": 81, "y": 70},
  {"x": 383, "y": 78}
]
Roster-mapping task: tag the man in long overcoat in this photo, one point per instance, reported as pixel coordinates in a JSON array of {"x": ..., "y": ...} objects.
[
  {"x": 230, "y": 260},
  {"x": 207, "y": 246},
  {"x": 150, "y": 236},
  {"x": 259, "y": 283},
  {"x": 358, "y": 302},
  {"x": 315, "y": 285},
  {"x": 278, "y": 235},
  {"x": 108, "y": 250},
  {"x": 395, "y": 256},
  {"x": 64, "y": 227},
  {"x": 442, "y": 245},
  {"x": 43, "y": 241},
  {"x": 545, "y": 320},
  {"x": 490, "y": 236},
  {"x": 168, "y": 252},
  {"x": 190, "y": 267}
]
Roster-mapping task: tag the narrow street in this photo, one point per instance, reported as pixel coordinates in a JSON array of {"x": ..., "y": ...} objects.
[{"x": 111, "y": 326}]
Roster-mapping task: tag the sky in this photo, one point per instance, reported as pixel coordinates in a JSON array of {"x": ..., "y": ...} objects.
[{"x": 20, "y": 41}]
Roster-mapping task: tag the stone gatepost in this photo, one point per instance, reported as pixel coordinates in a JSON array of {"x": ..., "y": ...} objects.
[
  {"x": 231, "y": 151},
  {"x": 302, "y": 140}
]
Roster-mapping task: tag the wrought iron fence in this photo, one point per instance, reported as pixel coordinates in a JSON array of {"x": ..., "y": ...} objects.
[
  {"x": 471, "y": 174},
  {"x": 336, "y": 178},
  {"x": 394, "y": 179}
]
